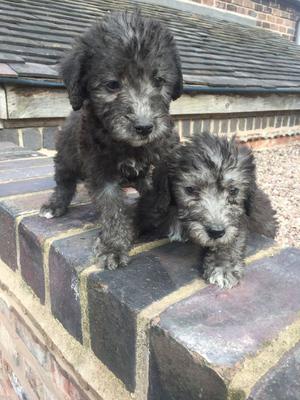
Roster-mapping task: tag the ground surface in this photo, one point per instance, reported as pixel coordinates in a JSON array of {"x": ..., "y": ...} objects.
[{"x": 278, "y": 173}]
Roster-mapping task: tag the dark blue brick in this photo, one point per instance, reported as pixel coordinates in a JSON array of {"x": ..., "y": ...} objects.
[
  {"x": 282, "y": 381},
  {"x": 34, "y": 230},
  {"x": 67, "y": 258},
  {"x": 217, "y": 329}
]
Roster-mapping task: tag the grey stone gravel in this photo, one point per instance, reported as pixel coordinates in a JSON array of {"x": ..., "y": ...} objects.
[{"x": 278, "y": 173}]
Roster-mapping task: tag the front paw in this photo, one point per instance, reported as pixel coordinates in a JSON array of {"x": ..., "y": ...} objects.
[
  {"x": 224, "y": 278},
  {"x": 110, "y": 258},
  {"x": 51, "y": 210}
]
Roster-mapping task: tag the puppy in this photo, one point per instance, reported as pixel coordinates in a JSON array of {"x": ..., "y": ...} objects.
[
  {"x": 209, "y": 196},
  {"x": 121, "y": 76}
]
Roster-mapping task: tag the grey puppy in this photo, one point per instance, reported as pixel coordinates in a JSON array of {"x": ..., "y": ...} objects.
[
  {"x": 121, "y": 76},
  {"x": 209, "y": 196}
]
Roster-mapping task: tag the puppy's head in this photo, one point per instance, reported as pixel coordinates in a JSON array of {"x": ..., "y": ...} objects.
[
  {"x": 128, "y": 68},
  {"x": 213, "y": 180}
]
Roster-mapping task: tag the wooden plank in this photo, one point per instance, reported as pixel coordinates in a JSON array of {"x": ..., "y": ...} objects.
[
  {"x": 3, "y": 108},
  {"x": 232, "y": 81},
  {"x": 53, "y": 103},
  {"x": 28, "y": 102},
  {"x": 221, "y": 104}
]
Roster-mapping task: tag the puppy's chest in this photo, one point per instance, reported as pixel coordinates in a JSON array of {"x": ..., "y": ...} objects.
[{"x": 132, "y": 169}]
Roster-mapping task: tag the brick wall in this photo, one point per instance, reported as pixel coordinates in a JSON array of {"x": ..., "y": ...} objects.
[
  {"x": 33, "y": 138},
  {"x": 274, "y": 15},
  {"x": 28, "y": 369},
  {"x": 72, "y": 331},
  {"x": 247, "y": 127}
]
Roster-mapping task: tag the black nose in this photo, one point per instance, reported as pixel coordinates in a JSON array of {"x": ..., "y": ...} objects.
[
  {"x": 144, "y": 130},
  {"x": 215, "y": 232}
]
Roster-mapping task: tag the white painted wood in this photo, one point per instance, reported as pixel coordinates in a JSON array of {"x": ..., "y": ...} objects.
[
  {"x": 221, "y": 104},
  {"x": 29, "y": 102},
  {"x": 3, "y": 109}
]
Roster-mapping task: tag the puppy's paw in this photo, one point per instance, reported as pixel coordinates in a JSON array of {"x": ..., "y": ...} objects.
[
  {"x": 176, "y": 233},
  {"x": 225, "y": 279},
  {"x": 109, "y": 259},
  {"x": 175, "y": 236},
  {"x": 51, "y": 211}
]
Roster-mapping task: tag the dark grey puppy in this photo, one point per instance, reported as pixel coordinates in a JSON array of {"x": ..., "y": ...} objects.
[
  {"x": 211, "y": 198},
  {"x": 121, "y": 76}
]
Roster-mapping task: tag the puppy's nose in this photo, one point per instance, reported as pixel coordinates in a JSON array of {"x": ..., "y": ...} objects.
[
  {"x": 215, "y": 232},
  {"x": 144, "y": 129}
]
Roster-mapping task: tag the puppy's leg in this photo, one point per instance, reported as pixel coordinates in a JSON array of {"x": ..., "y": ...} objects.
[
  {"x": 116, "y": 227},
  {"x": 62, "y": 195},
  {"x": 223, "y": 265},
  {"x": 177, "y": 233},
  {"x": 154, "y": 204}
]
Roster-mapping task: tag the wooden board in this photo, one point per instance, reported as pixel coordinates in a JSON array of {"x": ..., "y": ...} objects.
[
  {"x": 3, "y": 109},
  {"x": 221, "y": 104},
  {"x": 29, "y": 102}
]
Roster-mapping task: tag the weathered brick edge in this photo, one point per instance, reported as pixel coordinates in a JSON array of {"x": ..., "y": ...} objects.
[
  {"x": 263, "y": 126},
  {"x": 109, "y": 314}
]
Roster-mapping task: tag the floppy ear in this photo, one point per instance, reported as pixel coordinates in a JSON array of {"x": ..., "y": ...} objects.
[
  {"x": 178, "y": 87},
  {"x": 72, "y": 70},
  {"x": 247, "y": 167},
  {"x": 249, "y": 201}
]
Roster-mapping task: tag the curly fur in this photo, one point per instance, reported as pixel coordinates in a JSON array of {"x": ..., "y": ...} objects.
[
  {"x": 209, "y": 195},
  {"x": 121, "y": 76}
]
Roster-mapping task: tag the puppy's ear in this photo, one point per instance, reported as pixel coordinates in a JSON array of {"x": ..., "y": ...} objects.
[
  {"x": 249, "y": 201},
  {"x": 178, "y": 87},
  {"x": 247, "y": 167},
  {"x": 72, "y": 70}
]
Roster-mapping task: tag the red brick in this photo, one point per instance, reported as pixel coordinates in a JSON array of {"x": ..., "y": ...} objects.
[
  {"x": 34, "y": 381},
  {"x": 31, "y": 342},
  {"x": 208, "y": 2},
  {"x": 10, "y": 385},
  {"x": 65, "y": 383}
]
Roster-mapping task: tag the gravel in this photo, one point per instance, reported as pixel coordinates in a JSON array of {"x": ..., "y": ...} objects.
[{"x": 278, "y": 174}]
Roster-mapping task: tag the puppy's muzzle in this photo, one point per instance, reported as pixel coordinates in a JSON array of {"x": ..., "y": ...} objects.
[
  {"x": 143, "y": 128},
  {"x": 215, "y": 232}
]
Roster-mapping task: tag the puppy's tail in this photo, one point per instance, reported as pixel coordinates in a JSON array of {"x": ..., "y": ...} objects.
[{"x": 263, "y": 219}]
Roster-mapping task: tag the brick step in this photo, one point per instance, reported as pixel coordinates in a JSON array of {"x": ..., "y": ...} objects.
[{"x": 155, "y": 325}]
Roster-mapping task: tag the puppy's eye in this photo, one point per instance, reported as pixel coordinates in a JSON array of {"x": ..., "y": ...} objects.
[
  {"x": 190, "y": 190},
  {"x": 233, "y": 191},
  {"x": 159, "y": 81},
  {"x": 113, "y": 86}
]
